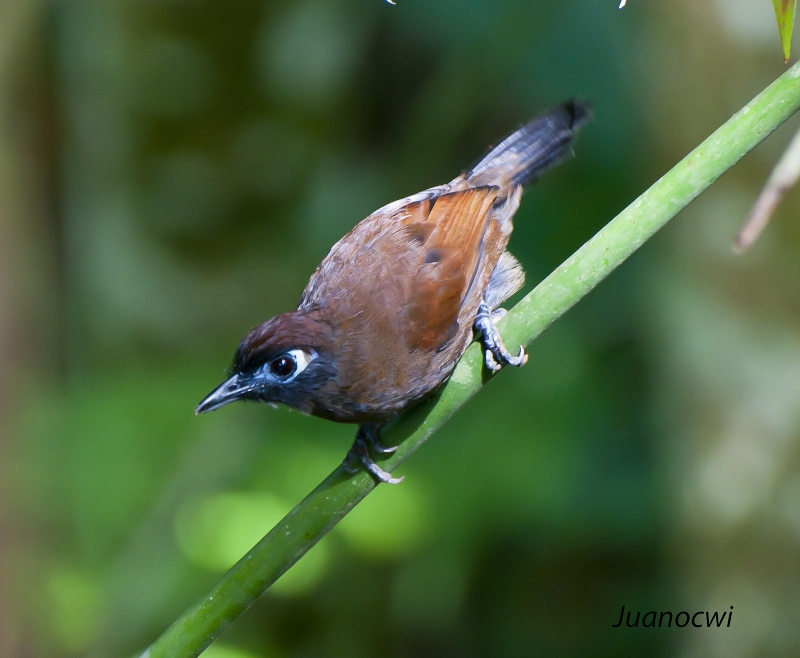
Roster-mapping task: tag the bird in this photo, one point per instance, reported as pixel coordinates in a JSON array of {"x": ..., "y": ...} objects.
[{"x": 390, "y": 310}]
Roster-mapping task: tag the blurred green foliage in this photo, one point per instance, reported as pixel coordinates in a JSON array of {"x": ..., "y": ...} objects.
[{"x": 187, "y": 163}]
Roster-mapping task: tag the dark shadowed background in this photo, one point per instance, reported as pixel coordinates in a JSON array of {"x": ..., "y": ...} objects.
[{"x": 171, "y": 171}]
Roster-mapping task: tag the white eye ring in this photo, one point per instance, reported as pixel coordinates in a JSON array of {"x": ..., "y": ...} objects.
[{"x": 300, "y": 360}]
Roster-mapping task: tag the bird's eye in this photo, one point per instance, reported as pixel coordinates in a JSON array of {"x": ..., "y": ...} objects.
[
  {"x": 283, "y": 366},
  {"x": 287, "y": 366}
]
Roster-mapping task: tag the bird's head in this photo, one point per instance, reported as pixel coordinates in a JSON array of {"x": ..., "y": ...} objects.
[{"x": 283, "y": 360}]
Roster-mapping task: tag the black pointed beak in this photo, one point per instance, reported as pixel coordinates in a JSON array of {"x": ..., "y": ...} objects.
[{"x": 230, "y": 390}]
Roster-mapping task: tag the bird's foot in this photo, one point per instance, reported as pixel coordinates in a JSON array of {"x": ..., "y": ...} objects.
[
  {"x": 495, "y": 354},
  {"x": 498, "y": 314},
  {"x": 368, "y": 435}
]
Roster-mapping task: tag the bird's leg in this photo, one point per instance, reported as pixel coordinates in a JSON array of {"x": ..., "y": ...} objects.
[
  {"x": 495, "y": 354},
  {"x": 366, "y": 436}
]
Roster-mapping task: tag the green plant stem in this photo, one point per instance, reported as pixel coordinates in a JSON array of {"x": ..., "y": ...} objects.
[{"x": 340, "y": 491}]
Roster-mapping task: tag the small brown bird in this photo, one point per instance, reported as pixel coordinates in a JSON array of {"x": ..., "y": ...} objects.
[{"x": 391, "y": 309}]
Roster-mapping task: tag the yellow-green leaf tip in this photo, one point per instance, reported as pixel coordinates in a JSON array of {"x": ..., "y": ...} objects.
[{"x": 784, "y": 12}]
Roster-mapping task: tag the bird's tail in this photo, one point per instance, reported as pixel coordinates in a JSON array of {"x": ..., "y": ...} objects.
[{"x": 539, "y": 145}]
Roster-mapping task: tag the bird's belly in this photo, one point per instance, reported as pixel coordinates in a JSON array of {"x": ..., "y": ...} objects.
[{"x": 384, "y": 391}]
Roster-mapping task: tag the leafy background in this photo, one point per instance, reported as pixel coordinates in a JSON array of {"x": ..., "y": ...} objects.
[{"x": 171, "y": 171}]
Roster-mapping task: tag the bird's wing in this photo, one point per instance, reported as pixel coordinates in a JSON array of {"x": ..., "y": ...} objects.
[
  {"x": 443, "y": 252},
  {"x": 409, "y": 265}
]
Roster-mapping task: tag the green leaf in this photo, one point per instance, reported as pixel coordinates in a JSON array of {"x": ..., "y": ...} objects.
[{"x": 784, "y": 12}]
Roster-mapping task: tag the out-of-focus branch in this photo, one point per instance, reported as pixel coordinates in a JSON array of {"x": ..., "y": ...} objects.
[
  {"x": 21, "y": 209},
  {"x": 781, "y": 180}
]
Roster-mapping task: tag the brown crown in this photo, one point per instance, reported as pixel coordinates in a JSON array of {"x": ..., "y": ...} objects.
[{"x": 293, "y": 330}]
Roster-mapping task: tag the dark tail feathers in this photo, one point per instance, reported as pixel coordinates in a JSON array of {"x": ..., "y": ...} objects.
[{"x": 539, "y": 145}]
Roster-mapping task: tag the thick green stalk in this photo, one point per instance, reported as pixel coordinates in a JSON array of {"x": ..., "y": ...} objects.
[{"x": 340, "y": 492}]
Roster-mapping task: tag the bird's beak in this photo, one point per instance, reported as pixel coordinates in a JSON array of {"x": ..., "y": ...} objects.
[{"x": 228, "y": 391}]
